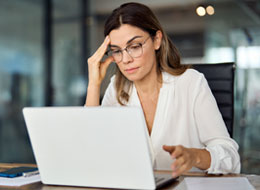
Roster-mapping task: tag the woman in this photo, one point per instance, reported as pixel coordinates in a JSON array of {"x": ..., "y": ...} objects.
[{"x": 185, "y": 126}]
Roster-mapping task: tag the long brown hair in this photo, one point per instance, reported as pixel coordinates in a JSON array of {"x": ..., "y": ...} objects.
[{"x": 139, "y": 15}]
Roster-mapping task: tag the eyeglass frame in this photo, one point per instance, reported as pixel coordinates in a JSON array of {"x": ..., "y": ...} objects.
[{"x": 125, "y": 49}]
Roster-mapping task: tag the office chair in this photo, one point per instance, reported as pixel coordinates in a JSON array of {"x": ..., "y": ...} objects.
[{"x": 220, "y": 78}]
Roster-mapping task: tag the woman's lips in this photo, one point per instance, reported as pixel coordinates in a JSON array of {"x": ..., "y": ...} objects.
[{"x": 131, "y": 70}]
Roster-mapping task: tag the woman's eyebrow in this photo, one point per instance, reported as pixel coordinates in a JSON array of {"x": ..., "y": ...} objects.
[{"x": 128, "y": 42}]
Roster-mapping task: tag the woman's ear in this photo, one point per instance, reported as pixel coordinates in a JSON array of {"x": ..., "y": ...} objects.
[{"x": 157, "y": 40}]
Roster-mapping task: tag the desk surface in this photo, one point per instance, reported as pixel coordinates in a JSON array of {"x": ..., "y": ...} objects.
[{"x": 254, "y": 180}]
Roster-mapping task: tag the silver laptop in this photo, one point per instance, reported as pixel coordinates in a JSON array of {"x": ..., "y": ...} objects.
[{"x": 92, "y": 147}]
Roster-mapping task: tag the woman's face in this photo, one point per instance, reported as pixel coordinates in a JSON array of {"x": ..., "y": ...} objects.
[{"x": 132, "y": 67}]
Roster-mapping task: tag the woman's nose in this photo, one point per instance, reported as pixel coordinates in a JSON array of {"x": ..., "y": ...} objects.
[{"x": 126, "y": 57}]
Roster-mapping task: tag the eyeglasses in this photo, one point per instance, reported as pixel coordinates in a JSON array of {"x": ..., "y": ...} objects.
[{"x": 134, "y": 50}]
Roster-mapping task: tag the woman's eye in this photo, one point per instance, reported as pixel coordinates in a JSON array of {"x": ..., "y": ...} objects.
[
  {"x": 116, "y": 52},
  {"x": 134, "y": 47}
]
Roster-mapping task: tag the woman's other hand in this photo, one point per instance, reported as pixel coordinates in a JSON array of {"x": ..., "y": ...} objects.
[{"x": 186, "y": 158}]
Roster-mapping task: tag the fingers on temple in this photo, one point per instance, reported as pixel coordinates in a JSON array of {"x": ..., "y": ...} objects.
[{"x": 101, "y": 50}]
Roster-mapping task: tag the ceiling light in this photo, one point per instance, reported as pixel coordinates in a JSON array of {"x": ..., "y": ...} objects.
[
  {"x": 201, "y": 11},
  {"x": 210, "y": 10}
]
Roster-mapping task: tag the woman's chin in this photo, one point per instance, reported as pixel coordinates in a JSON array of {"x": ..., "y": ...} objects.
[{"x": 132, "y": 78}]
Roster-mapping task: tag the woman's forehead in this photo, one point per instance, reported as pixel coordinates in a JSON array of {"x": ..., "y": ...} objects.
[{"x": 124, "y": 33}]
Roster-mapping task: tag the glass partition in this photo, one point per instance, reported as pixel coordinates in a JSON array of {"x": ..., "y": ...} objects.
[{"x": 21, "y": 74}]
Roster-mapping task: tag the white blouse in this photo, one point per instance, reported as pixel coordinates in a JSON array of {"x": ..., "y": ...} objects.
[{"x": 186, "y": 114}]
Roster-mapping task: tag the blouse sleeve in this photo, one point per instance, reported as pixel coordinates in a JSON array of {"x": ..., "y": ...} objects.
[
  {"x": 213, "y": 132},
  {"x": 109, "y": 98}
]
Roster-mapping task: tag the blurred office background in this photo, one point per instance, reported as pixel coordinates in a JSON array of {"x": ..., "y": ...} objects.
[{"x": 44, "y": 46}]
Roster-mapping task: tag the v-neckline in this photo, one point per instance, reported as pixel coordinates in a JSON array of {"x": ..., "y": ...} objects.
[{"x": 156, "y": 110}]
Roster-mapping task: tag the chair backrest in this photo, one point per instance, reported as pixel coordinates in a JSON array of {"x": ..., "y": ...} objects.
[{"x": 220, "y": 78}]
